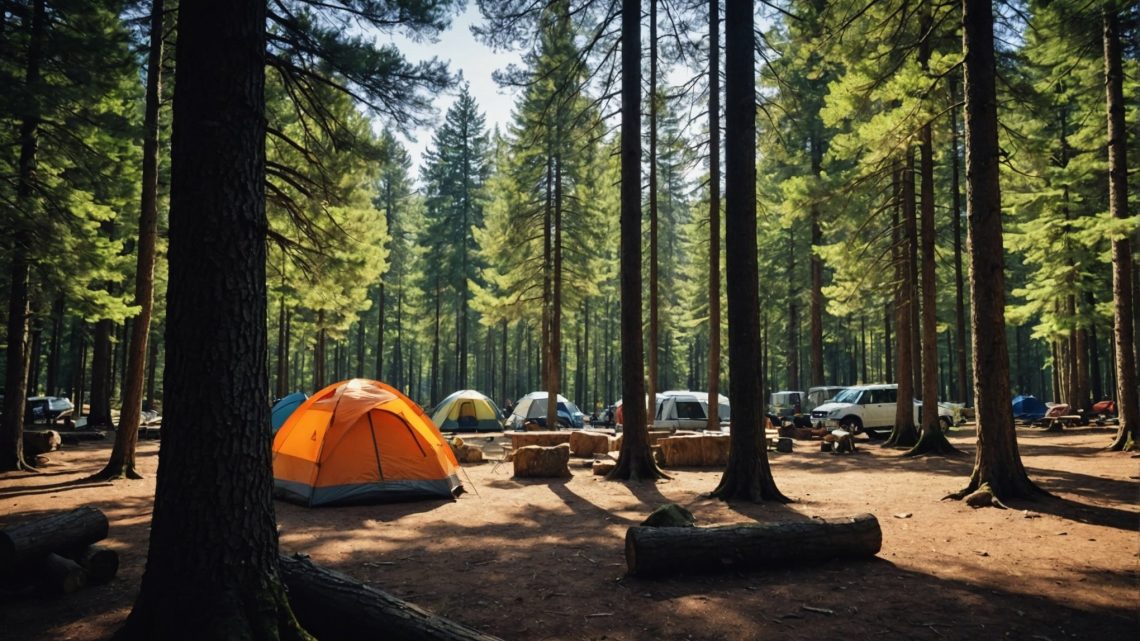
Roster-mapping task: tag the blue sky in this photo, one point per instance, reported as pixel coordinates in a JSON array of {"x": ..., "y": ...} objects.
[{"x": 475, "y": 61}]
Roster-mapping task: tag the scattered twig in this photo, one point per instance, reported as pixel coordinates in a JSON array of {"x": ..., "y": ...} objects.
[
  {"x": 818, "y": 610},
  {"x": 599, "y": 614}
]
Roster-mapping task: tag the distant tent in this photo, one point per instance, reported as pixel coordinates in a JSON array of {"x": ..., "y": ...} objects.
[
  {"x": 284, "y": 408},
  {"x": 1028, "y": 408},
  {"x": 467, "y": 411},
  {"x": 361, "y": 441}
]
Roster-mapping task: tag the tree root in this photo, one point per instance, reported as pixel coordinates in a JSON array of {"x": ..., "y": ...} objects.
[{"x": 934, "y": 443}]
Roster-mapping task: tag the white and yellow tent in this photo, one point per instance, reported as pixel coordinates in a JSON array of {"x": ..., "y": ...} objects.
[{"x": 467, "y": 411}]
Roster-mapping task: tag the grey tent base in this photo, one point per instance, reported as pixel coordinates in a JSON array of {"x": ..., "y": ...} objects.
[{"x": 374, "y": 492}]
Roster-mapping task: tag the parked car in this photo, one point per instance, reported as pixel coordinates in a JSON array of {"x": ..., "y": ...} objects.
[
  {"x": 868, "y": 408},
  {"x": 817, "y": 396},
  {"x": 532, "y": 407},
  {"x": 47, "y": 409},
  {"x": 785, "y": 405},
  {"x": 685, "y": 410}
]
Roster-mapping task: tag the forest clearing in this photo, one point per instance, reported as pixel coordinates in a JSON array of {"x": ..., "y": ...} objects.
[
  {"x": 822, "y": 312},
  {"x": 533, "y": 559}
]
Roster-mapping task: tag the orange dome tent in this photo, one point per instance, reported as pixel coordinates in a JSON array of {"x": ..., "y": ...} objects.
[{"x": 361, "y": 441}]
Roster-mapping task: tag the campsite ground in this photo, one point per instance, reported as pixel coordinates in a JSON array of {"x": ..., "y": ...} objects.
[{"x": 543, "y": 560}]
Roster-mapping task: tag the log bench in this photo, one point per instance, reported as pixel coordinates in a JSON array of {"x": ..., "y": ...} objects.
[
  {"x": 590, "y": 442},
  {"x": 695, "y": 450}
]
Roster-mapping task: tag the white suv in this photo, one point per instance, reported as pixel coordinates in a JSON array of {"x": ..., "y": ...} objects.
[{"x": 868, "y": 408}]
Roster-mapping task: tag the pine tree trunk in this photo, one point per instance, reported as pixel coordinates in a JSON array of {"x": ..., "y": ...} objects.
[
  {"x": 654, "y": 325},
  {"x": 554, "y": 377},
  {"x": 816, "y": 310},
  {"x": 380, "y": 300},
  {"x": 435, "y": 349},
  {"x": 997, "y": 466},
  {"x": 1123, "y": 303},
  {"x": 714, "y": 216},
  {"x": 101, "y": 376},
  {"x": 910, "y": 215},
  {"x": 962, "y": 389},
  {"x": 151, "y": 372},
  {"x": 932, "y": 441},
  {"x": 122, "y": 462},
  {"x": 904, "y": 432},
  {"x": 54, "y": 346},
  {"x": 320, "y": 358},
  {"x": 16, "y": 356},
  {"x": 213, "y": 537},
  {"x": 634, "y": 460},
  {"x": 792, "y": 339},
  {"x": 748, "y": 475}
]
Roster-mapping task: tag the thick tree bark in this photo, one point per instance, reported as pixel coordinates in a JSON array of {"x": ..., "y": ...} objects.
[
  {"x": 664, "y": 551},
  {"x": 748, "y": 475},
  {"x": 213, "y": 538},
  {"x": 904, "y": 433},
  {"x": 997, "y": 466},
  {"x": 334, "y": 606},
  {"x": 634, "y": 460},
  {"x": 554, "y": 376},
  {"x": 122, "y": 462},
  {"x": 1123, "y": 303},
  {"x": 16, "y": 356},
  {"x": 714, "y": 216}
]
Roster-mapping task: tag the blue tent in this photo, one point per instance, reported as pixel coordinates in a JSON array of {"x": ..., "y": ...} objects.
[
  {"x": 283, "y": 409},
  {"x": 1028, "y": 408}
]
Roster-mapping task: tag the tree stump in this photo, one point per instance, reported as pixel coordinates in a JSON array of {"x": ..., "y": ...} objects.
[
  {"x": 331, "y": 605},
  {"x": 695, "y": 450},
  {"x": 587, "y": 443},
  {"x": 545, "y": 438},
  {"x": 602, "y": 467},
  {"x": 536, "y": 461},
  {"x": 651, "y": 551},
  {"x": 25, "y": 543}
]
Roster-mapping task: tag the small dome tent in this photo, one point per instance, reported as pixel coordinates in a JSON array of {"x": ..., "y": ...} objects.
[
  {"x": 361, "y": 441},
  {"x": 1028, "y": 408},
  {"x": 467, "y": 411},
  {"x": 284, "y": 408}
]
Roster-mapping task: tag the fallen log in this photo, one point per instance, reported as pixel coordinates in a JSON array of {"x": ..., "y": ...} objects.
[
  {"x": 657, "y": 551},
  {"x": 55, "y": 574},
  {"x": 331, "y": 605},
  {"x": 24, "y": 543},
  {"x": 101, "y": 564}
]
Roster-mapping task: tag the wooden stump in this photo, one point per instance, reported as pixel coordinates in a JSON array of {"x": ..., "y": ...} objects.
[
  {"x": 695, "y": 450},
  {"x": 25, "y": 543},
  {"x": 589, "y": 443},
  {"x": 657, "y": 435},
  {"x": 331, "y": 605},
  {"x": 41, "y": 442},
  {"x": 545, "y": 438},
  {"x": 602, "y": 467},
  {"x": 651, "y": 551},
  {"x": 536, "y": 461}
]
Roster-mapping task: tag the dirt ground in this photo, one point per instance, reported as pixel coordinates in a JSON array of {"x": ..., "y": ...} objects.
[{"x": 539, "y": 560}]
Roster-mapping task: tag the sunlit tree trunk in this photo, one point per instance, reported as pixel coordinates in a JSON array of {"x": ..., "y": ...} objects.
[
  {"x": 748, "y": 475},
  {"x": 997, "y": 466}
]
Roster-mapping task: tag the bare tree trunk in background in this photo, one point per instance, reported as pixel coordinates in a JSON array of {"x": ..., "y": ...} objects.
[
  {"x": 748, "y": 475},
  {"x": 57, "y": 311},
  {"x": 962, "y": 389},
  {"x": 122, "y": 462},
  {"x": 932, "y": 440},
  {"x": 651, "y": 347},
  {"x": 554, "y": 375},
  {"x": 904, "y": 432},
  {"x": 714, "y": 216},
  {"x": 16, "y": 357},
  {"x": 1123, "y": 303},
  {"x": 997, "y": 467},
  {"x": 634, "y": 460},
  {"x": 100, "y": 415}
]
